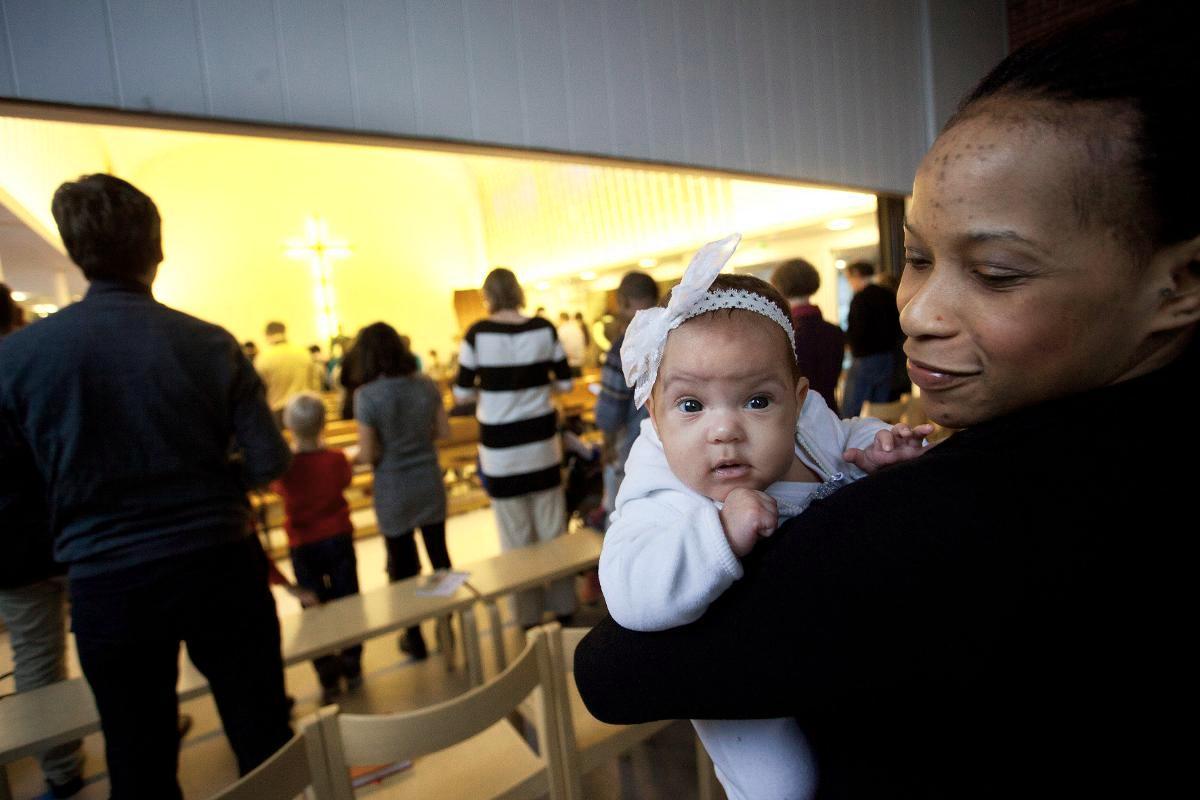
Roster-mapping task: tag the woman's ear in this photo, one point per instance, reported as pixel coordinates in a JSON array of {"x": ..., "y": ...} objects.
[{"x": 1174, "y": 279}]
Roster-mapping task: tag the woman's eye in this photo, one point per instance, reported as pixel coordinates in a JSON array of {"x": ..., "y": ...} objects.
[
  {"x": 997, "y": 278},
  {"x": 758, "y": 402},
  {"x": 689, "y": 406}
]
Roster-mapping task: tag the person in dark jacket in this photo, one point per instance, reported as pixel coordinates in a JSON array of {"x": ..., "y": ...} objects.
[
  {"x": 820, "y": 345},
  {"x": 1008, "y": 615},
  {"x": 33, "y": 590},
  {"x": 874, "y": 337},
  {"x": 147, "y": 427}
]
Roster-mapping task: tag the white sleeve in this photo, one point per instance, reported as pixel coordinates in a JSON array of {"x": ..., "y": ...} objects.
[
  {"x": 860, "y": 431},
  {"x": 665, "y": 557}
]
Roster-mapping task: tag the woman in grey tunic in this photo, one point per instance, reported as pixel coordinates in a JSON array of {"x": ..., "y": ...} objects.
[{"x": 400, "y": 415}]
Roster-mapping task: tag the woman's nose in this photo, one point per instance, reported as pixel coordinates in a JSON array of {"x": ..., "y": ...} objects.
[{"x": 927, "y": 304}]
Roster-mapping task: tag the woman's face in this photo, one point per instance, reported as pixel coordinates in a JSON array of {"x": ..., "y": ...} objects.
[{"x": 1007, "y": 299}]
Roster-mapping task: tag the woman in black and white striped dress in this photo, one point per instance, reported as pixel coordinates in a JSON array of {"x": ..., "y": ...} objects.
[{"x": 508, "y": 364}]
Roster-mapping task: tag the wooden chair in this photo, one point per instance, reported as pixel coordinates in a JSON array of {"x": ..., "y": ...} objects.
[
  {"x": 588, "y": 742},
  {"x": 297, "y": 766},
  {"x": 465, "y": 748}
]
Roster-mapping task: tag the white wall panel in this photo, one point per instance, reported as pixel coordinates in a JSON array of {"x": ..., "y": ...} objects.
[
  {"x": 495, "y": 77},
  {"x": 316, "y": 60},
  {"x": 541, "y": 59},
  {"x": 589, "y": 119},
  {"x": 8, "y": 86},
  {"x": 699, "y": 109},
  {"x": 382, "y": 68},
  {"x": 240, "y": 51},
  {"x": 836, "y": 91},
  {"x": 626, "y": 76},
  {"x": 162, "y": 33},
  {"x": 439, "y": 49},
  {"x": 62, "y": 49},
  {"x": 664, "y": 107}
]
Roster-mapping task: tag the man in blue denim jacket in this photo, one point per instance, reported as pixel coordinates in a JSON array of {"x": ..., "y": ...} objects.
[{"x": 147, "y": 427}]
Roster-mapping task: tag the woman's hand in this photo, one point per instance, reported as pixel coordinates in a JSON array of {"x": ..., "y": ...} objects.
[{"x": 894, "y": 446}]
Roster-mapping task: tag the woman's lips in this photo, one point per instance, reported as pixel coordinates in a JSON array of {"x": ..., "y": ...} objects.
[{"x": 933, "y": 379}]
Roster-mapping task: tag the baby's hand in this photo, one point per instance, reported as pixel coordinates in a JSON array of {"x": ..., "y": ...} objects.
[
  {"x": 747, "y": 515},
  {"x": 901, "y": 443}
]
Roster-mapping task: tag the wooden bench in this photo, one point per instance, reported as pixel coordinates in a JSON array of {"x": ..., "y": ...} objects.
[
  {"x": 33, "y": 721},
  {"x": 528, "y": 568}
]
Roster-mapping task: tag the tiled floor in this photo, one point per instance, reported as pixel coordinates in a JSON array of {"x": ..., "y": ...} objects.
[{"x": 663, "y": 767}]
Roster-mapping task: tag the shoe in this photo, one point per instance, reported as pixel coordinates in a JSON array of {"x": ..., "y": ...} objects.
[
  {"x": 414, "y": 646},
  {"x": 183, "y": 725},
  {"x": 329, "y": 694},
  {"x": 69, "y": 789}
]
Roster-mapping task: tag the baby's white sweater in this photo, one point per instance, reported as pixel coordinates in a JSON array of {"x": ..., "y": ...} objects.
[{"x": 665, "y": 557}]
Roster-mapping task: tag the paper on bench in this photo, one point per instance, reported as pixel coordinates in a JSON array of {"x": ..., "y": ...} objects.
[{"x": 442, "y": 583}]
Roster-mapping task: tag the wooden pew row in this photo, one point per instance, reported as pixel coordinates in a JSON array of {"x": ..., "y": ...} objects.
[{"x": 34, "y": 721}]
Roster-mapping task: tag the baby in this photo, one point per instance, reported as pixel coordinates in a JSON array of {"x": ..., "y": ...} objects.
[{"x": 735, "y": 444}]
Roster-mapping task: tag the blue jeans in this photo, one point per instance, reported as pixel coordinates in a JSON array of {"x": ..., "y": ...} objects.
[
  {"x": 329, "y": 569},
  {"x": 868, "y": 381}
]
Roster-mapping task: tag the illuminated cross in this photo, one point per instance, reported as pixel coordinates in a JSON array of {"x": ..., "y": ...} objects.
[{"x": 320, "y": 251}]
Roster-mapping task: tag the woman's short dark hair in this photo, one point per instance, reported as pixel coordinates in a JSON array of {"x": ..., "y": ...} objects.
[
  {"x": 380, "y": 352},
  {"x": 796, "y": 278},
  {"x": 1141, "y": 59},
  {"x": 110, "y": 228},
  {"x": 502, "y": 290}
]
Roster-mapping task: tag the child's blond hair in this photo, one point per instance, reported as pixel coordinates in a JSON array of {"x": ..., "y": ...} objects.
[{"x": 305, "y": 415}]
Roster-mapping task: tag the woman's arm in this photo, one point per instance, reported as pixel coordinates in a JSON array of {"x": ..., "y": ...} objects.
[
  {"x": 369, "y": 449},
  {"x": 441, "y": 421},
  {"x": 847, "y": 592}
]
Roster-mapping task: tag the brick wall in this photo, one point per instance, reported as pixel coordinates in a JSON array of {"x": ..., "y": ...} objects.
[{"x": 1028, "y": 19}]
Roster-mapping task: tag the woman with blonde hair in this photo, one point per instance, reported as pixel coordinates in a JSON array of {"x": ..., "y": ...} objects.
[{"x": 508, "y": 364}]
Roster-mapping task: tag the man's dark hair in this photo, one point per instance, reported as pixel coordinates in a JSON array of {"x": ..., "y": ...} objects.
[
  {"x": 796, "y": 278},
  {"x": 380, "y": 352},
  {"x": 111, "y": 229},
  {"x": 1138, "y": 65},
  {"x": 637, "y": 286},
  {"x": 863, "y": 269}
]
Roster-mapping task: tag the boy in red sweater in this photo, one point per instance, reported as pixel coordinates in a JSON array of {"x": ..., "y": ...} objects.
[{"x": 320, "y": 533}]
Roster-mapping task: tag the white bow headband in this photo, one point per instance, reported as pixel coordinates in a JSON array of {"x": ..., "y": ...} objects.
[{"x": 642, "y": 351}]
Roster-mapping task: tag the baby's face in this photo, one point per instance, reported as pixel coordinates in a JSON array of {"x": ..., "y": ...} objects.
[{"x": 725, "y": 403}]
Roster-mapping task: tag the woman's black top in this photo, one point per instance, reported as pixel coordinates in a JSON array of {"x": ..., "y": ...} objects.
[{"x": 1008, "y": 615}]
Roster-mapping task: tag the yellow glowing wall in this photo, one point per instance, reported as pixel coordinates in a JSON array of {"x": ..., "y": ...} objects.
[{"x": 411, "y": 222}]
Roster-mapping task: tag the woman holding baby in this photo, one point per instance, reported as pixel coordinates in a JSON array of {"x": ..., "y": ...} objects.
[{"x": 1007, "y": 614}]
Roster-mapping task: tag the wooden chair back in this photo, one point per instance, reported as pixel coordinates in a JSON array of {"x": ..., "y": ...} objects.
[
  {"x": 358, "y": 739},
  {"x": 587, "y": 742},
  {"x": 291, "y": 771}
]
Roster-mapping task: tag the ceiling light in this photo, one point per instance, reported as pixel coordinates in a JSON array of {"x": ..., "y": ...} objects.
[
  {"x": 647, "y": 263},
  {"x": 542, "y": 286},
  {"x": 587, "y": 276},
  {"x": 840, "y": 263},
  {"x": 44, "y": 309},
  {"x": 839, "y": 224},
  {"x": 20, "y": 297}
]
